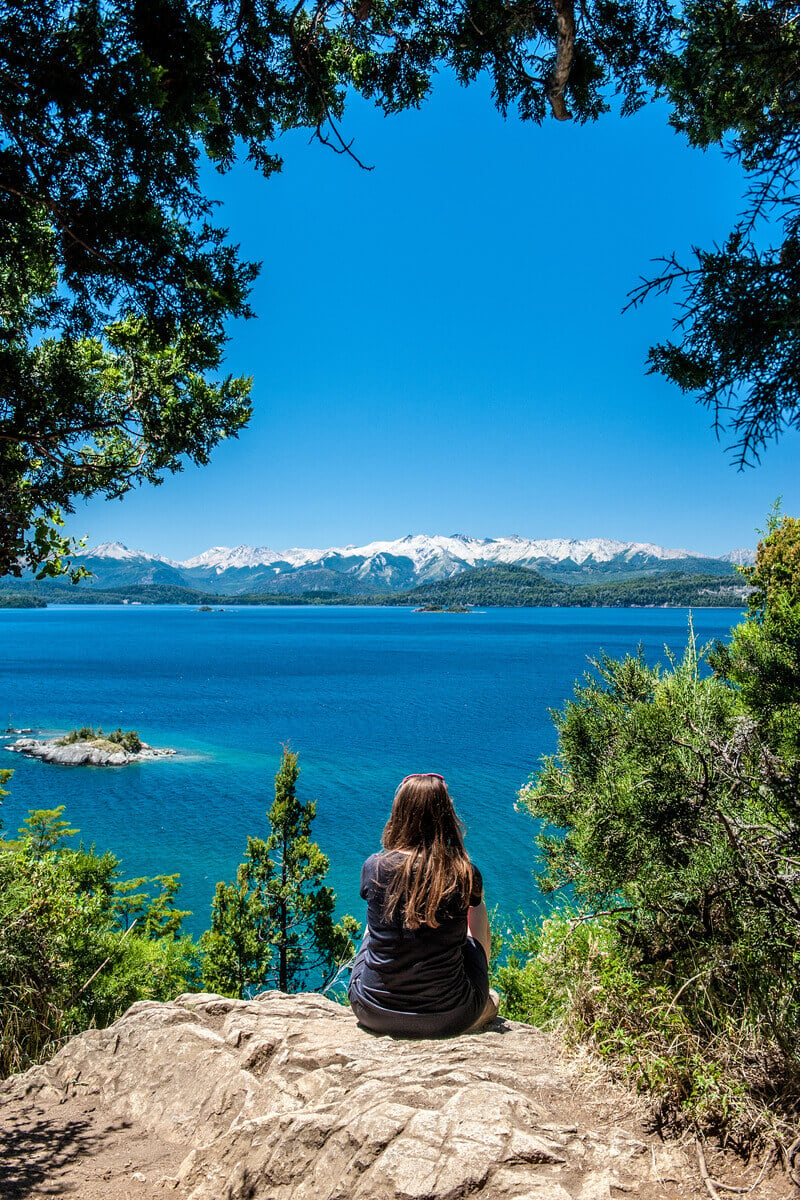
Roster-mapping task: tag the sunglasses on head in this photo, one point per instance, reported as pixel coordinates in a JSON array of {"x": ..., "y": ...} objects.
[{"x": 423, "y": 775}]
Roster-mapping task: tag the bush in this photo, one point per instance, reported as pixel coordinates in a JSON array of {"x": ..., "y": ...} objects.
[
  {"x": 129, "y": 740},
  {"x": 672, "y": 806},
  {"x": 77, "y": 946},
  {"x": 576, "y": 977}
]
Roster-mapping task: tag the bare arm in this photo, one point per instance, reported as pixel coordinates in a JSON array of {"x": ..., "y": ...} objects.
[{"x": 478, "y": 927}]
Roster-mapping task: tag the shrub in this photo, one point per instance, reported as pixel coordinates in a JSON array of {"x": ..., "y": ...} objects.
[
  {"x": 673, "y": 806},
  {"x": 129, "y": 740},
  {"x": 76, "y": 946}
]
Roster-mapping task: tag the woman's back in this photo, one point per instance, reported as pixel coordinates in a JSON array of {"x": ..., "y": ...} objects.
[
  {"x": 420, "y": 972},
  {"x": 414, "y": 970}
]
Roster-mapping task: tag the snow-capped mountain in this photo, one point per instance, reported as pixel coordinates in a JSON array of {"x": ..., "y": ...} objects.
[
  {"x": 120, "y": 553},
  {"x": 384, "y": 566},
  {"x": 221, "y": 558},
  {"x": 740, "y": 558}
]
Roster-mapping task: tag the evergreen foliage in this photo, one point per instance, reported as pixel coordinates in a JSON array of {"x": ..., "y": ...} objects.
[
  {"x": 128, "y": 739},
  {"x": 75, "y": 948},
  {"x": 21, "y": 600},
  {"x": 274, "y": 925},
  {"x": 730, "y": 73},
  {"x": 671, "y": 815},
  {"x": 522, "y": 587},
  {"x": 237, "y": 959}
]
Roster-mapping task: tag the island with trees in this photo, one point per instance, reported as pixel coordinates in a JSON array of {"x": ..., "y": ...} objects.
[{"x": 90, "y": 747}]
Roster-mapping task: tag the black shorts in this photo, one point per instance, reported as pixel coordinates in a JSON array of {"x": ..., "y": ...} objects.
[{"x": 426, "y": 1024}]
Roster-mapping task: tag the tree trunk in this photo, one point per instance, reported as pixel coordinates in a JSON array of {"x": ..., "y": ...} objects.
[
  {"x": 565, "y": 49},
  {"x": 283, "y": 982}
]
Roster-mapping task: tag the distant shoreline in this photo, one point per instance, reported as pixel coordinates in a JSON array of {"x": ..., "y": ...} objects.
[
  {"x": 475, "y": 609},
  {"x": 489, "y": 588}
]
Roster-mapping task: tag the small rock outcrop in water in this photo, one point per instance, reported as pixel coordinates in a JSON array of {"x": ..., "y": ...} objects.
[
  {"x": 97, "y": 753},
  {"x": 286, "y": 1098}
]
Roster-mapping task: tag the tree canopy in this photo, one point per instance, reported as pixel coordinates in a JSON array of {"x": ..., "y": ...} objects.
[
  {"x": 730, "y": 72},
  {"x": 117, "y": 285}
]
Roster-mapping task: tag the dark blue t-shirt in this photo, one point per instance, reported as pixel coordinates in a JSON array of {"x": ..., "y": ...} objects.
[{"x": 413, "y": 970}]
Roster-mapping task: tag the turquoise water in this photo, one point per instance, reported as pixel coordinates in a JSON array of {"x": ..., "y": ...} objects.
[{"x": 365, "y": 695}]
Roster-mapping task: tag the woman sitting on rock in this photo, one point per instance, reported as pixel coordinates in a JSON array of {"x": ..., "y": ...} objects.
[{"x": 423, "y": 967}]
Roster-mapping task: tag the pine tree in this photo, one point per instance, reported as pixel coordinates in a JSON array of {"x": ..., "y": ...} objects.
[
  {"x": 237, "y": 957},
  {"x": 275, "y": 925}
]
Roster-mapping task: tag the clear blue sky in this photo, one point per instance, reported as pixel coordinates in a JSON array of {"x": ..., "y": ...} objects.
[{"x": 440, "y": 345}]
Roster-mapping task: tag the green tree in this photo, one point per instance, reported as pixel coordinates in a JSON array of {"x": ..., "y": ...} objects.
[
  {"x": 276, "y": 923},
  {"x": 671, "y": 816},
  {"x": 43, "y": 830},
  {"x": 236, "y": 954}
]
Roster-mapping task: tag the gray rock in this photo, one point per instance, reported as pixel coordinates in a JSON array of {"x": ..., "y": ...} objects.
[{"x": 286, "y": 1098}]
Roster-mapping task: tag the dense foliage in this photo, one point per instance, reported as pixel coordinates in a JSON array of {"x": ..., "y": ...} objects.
[
  {"x": 522, "y": 587},
  {"x": 671, "y": 817},
  {"x": 78, "y": 944},
  {"x": 274, "y": 925},
  {"x": 21, "y": 600}
]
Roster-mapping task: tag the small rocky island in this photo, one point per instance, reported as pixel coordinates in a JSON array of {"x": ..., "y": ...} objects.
[
  {"x": 437, "y": 608},
  {"x": 90, "y": 747}
]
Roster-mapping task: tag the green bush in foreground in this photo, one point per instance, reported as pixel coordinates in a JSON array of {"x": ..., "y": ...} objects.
[
  {"x": 78, "y": 945},
  {"x": 671, "y": 819}
]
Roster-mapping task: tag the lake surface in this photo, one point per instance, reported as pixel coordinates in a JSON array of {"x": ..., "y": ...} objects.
[{"x": 365, "y": 696}]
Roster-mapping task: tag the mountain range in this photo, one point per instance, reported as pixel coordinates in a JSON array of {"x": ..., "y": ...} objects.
[{"x": 393, "y": 566}]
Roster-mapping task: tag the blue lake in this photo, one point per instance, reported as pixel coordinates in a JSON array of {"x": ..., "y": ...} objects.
[{"x": 365, "y": 695}]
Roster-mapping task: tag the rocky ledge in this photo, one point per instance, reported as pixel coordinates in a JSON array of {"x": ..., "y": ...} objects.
[
  {"x": 96, "y": 753},
  {"x": 286, "y": 1098}
]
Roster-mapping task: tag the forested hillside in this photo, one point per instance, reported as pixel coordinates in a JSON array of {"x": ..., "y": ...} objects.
[{"x": 487, "y": 587}]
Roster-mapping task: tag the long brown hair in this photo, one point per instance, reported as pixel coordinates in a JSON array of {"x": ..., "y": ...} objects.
[{"x": 436, "y": 866}]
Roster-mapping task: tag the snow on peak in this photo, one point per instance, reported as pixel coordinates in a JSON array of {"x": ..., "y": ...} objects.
[
  {"x": 223, "y": 558},
  {"x": 429, "y": 555},
  {"x": 742, "y": 557},
  {"x": 121, "y": 553}
]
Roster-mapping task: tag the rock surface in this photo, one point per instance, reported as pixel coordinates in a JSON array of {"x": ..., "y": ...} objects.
[
  {"x": 286, "y": 1098},
  {"x": 79, "y": 754}
]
